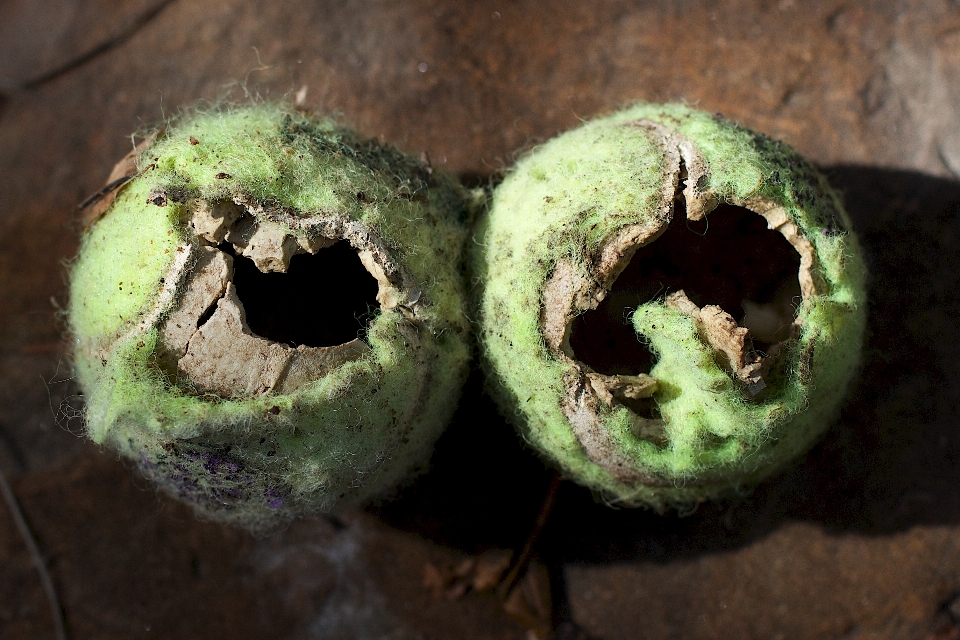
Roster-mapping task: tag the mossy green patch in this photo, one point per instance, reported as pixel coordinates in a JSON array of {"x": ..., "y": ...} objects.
[
  {"x": 121, "y": 261},
  {"x": 560, "y": 203},
  {"x": 353, "y": 433}
]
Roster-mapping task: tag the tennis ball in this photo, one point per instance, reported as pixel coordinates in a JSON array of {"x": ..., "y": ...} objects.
[
  {"x": 670, "y": 305},
  {"x": 268, "y": 316}
]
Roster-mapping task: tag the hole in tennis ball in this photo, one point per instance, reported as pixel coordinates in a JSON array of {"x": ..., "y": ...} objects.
[
  {"x": 730, "y": 259},
  {"x": 323, "y": 300}
]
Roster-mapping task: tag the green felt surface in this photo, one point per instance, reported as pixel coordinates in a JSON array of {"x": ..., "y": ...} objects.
[
  {"x": 356, "y": 432},
  {"x": 560, "y": 202}
]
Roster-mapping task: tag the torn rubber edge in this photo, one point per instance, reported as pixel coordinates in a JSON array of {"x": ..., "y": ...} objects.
[
  {"x": 570, "y": 291},
  {"x": 222, "y": 355},
  {"x": 284, "y": 368}
]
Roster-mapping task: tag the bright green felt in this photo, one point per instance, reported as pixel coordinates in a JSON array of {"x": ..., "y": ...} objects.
[{"x": 559, "y": 202}]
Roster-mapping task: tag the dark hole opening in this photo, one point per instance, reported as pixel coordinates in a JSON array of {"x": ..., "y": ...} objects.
[
  {"x": 323, "y": 300},
  {"x": 723, "y": 260}
]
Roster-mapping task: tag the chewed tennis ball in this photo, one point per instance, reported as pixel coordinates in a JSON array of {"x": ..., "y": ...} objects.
[
  {"x": 268, "y": 315},
  {"x": 671, "y": 305}
]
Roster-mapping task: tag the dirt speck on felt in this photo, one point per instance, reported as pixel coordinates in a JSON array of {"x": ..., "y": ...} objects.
[{"x": 861, "y": 538}]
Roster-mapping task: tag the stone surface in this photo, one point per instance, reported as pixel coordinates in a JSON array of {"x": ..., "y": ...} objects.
[{"x": 860, "y": 539}]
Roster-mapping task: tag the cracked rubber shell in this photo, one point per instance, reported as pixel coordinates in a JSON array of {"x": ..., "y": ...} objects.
[
  {"x": 734, "y": 273},
  {"x": 253, "y": 399}
]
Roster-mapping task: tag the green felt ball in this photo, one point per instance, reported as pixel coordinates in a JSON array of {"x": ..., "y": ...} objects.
[
  {"x": 726, "y": 259},
  {"x": 255, "y": 400}
]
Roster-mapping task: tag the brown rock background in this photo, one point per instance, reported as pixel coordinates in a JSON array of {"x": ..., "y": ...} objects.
[{"x": 861, "y": 539}]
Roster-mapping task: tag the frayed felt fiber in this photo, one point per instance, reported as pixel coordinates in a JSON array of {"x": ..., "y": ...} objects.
[
  {"x": 671, "y": 306},
  {"x": 267, "y": 313}
]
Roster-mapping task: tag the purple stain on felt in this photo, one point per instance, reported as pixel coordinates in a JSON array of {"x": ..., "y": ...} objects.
[
  {"x": 211, "y": 479},
  {"x": 274, "y": 498},
  {"x": 212, "y": 463},
  {"x": 146, "y": 462}
]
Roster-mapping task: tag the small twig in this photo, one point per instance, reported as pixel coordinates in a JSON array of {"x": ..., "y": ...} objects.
[
  {"x": 546, "y": 507},
  {"x": 60, "y": 632},
  {"x": 116, "y": 184},
  {"x": 113, "y": 41}
]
